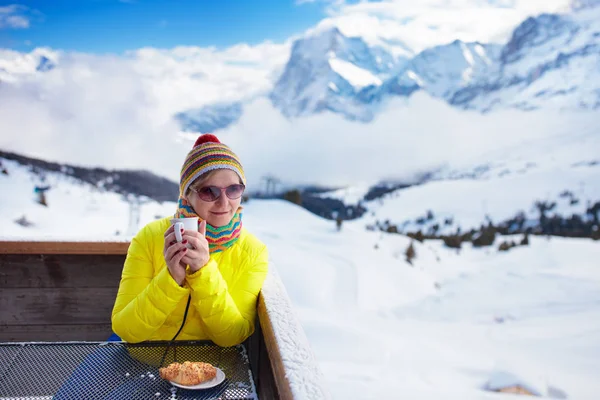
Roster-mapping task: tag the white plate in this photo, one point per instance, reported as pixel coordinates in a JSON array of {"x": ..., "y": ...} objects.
[{"x": 204, "y": 385}]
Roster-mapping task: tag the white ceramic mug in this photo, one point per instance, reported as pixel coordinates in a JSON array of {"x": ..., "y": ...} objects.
[{"x": 188, "y": 224}]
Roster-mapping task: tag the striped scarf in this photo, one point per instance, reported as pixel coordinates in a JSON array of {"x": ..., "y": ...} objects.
[{"x": 219, "y": 238}]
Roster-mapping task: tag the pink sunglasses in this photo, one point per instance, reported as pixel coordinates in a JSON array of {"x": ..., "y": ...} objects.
[{"x": 212, "y": 193}]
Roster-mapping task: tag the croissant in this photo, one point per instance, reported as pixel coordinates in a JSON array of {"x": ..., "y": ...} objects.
[{"x": 189, "y": 373}]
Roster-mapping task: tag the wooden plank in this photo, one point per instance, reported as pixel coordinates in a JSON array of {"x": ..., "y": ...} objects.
[
  {"x": 54, "y": 291},
  {"x": 252, "y": 348},
  {"x": 60, "y": 271},
  {"x": 274, "y": 353},
  {"x": 54, "y": 333},
  {"x": 32, "y": 306},
  {"x": 260, "y": 365},
  {"x": 39, "y": 247},
  {"x": 267, "y": 388}
]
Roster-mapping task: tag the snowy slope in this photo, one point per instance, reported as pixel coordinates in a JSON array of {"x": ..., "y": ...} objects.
[
  {"x": 356, "y": 76},
  {"x": 560, "y": 164},
  {"x": 470, "y": 203},
  {"x": 76, "y": 210},
  {"x": 447, "y": 326}
]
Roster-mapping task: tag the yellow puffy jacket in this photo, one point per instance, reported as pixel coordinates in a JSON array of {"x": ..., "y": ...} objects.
[{"x": 150, "y": 304}]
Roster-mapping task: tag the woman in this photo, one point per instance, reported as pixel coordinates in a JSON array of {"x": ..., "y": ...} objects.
[
  {"x": 171, "y": 292},
  {"x": 207, "y": 291}
]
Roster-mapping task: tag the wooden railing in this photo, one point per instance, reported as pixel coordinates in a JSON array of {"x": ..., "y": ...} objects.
[
  {"x": 62, "y": 248},
  {"x": 61, "y": 291},
  {"x": 58, "y": 291}
]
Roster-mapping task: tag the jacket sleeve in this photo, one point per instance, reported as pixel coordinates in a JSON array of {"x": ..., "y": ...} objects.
[
  {"x": 228, "y": 313},
  {"x": 144, "y": 301}
]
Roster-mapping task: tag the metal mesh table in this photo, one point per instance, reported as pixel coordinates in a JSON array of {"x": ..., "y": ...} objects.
[{"x": 116, "y": 370}]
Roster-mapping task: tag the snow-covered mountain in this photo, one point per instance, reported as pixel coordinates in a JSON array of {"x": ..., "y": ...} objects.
[
  {"x": 584, "y": 4},
  {"x": 326, "y": 71},
  {"x": 551, "y": 61},
  {"x": 14, "y": 65},
  {"x": 210, "y": 118},
  {"x": 440, "y": 71}
]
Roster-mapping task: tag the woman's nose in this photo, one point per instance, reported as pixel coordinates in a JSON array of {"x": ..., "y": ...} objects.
[{"x": 221, "y": 200}]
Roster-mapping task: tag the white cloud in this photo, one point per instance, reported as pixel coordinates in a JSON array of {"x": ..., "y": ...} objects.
[
  {"x": 14, "y": 16},
  {"x": 408, "y": 137},
  {"x": 115, "y": 111},
  {"x": 109, "y": 111},
  {"x": 189, "y": 77},
  {"x": 405, "y": 27},
  {"x": 101, "y": 116}
]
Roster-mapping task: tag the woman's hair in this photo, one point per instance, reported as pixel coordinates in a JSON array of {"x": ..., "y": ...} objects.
[{"x": 200, "y": 181}]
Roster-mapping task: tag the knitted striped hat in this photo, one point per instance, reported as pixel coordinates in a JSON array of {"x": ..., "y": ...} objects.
[{"x": 208, "y": 154}]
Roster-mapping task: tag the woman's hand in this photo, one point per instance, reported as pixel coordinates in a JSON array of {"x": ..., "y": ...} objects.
[
  {"x": 174, "y": 253},
  {"x": 198, "y": 255}
]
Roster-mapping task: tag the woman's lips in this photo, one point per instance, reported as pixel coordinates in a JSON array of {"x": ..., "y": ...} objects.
[{"x": 220, "y": 213}]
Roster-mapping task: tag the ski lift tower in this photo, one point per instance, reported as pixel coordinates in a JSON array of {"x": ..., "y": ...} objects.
[
  {"x": 135, "y": 203},
  {"x": 271, "y": 183}
]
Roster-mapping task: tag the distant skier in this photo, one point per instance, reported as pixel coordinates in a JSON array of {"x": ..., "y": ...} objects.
[{"x": 41, "y": 193}]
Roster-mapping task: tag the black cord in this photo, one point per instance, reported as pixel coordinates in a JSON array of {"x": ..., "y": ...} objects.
[{"x": 187, "y": 307}]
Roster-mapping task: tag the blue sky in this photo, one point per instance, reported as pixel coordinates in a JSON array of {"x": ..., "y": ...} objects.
[{"x": 113, "y": 26}]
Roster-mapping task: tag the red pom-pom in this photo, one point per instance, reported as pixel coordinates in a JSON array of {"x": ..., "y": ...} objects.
[{"x": 207, "y": 138}]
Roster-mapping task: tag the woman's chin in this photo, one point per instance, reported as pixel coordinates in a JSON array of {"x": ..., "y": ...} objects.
[{"x": 219, "y": 220}]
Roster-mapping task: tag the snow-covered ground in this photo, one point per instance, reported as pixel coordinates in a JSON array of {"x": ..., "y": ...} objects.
[
  {"x": 469, "y": 201},
  {"x": 444, "y": 327},
  {"x": 76, "y": 210}
]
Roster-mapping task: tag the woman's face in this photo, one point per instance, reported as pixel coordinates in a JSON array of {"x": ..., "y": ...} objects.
[{"x": 219, "y": 212}]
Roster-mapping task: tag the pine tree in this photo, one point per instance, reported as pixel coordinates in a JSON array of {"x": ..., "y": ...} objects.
[{"x": 410, "y": 253}]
